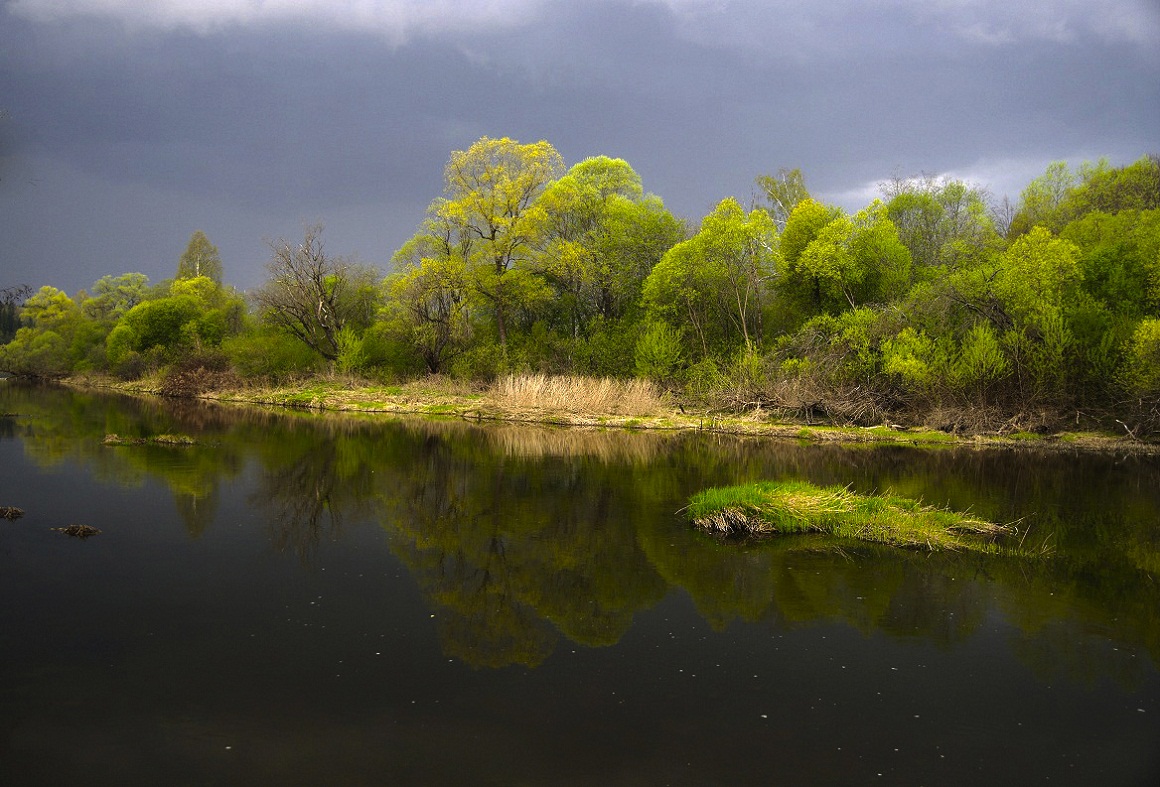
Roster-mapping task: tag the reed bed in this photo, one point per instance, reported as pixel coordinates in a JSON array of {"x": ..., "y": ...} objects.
[
  {"x": 768, "y": 508},
  {"x": 589, "y": 395}
]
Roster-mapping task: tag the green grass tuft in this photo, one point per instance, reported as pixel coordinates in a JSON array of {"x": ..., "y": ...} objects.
[{"x": 768, "y": 508}]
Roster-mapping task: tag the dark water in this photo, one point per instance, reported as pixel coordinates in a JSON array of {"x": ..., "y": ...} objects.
[{"x": 323, "y": 600}]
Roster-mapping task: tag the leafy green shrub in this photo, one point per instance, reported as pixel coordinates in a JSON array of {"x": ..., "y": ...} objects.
[
  {"x": 908, "y": 356},
  {"x": 609, "y": 350},
  {"x": 659, "y": 352},
  {"x": 119, "y": 344},
  {"x": 981, "y": 359},
  {"x": 351, "y": 355},
  {"x": 703, "y": 380},
  {"x": 36, "y": 353},
  {"x": 160, "y": 323},
  {"x": 271, "y": 354},
  {"x": 540, "y": 350},
  {"x": 390, "y": 351},
  {"x": 129, "y": 366},
  {"x": 485, "y": 362},
  {"x": 1142, "y": 368}
]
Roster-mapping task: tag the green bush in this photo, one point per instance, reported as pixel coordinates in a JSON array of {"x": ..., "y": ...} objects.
[
  {"x": 1142, "y": 368},
  {"x": 980, "y": 360},
  {"x": 119, "y": 343},
  {"x": 36, "y": 353},
  {"x": 129, "y": 366},
  {"x": 909, "y": 356},
  {"x": 484, "y": 363},
  {"x": 352, "y": 357},
  {"x": 609, "y": 350},
  {"x": 659, "y": 352},
  {"x": 270, "y": 354},
  {"x": 390, "y": 352}
]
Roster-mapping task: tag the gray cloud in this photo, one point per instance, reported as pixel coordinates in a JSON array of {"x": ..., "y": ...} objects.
[
  {"x": 395, "y": 20},
  {"x": 132, "y": 125},
  {"x": 985, "y": 21}
]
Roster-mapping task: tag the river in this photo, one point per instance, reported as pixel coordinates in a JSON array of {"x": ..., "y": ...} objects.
[{"x": 324, "y": 599}]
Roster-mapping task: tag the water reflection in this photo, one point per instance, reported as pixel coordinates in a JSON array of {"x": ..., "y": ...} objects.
[
  {"x": 517, "y": 551},
  {"x": 522, "y": 537},
  {"x": 307, "y": 489}
]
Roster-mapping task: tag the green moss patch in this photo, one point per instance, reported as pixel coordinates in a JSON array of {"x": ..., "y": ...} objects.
[{"x": 768, "y": 508}]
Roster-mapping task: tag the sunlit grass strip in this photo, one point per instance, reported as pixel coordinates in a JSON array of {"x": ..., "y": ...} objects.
[{"x": 768, "y": 508}]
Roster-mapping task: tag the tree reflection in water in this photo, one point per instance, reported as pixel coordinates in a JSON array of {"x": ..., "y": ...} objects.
[
  {"x": 523, "y": 537},
  {"x": 310, "y": 484},
  {"x": 511, "y": 551}
]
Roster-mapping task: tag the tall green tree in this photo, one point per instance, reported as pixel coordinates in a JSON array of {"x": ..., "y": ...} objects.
[
  {"x": 200, "y": 258},
  {"x": 1062, "y": 195},
  {"x": 491, "y": 192},
  {"x": 851, "y": 261},
  {"x": 602, "y": 236},
  {"x": 805, "y": 222},
  {"x": 1109, "y": 189},
  {"x": 429, "y": 290},
  {"x": 53, "y": 340},
  {"x": 112, "y": 296},
  {"x": 1120, "y": 259},
  {"x": 1042, "y": 202},
  {"x": 943, "y": 223},
  {"x": 717, "y": 282}
]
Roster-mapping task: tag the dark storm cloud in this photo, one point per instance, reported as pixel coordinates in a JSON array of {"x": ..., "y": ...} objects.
[{"x": 133, "y": 123}]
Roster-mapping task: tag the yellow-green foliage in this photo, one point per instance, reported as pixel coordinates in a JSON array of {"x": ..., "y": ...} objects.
[
  {"x": 767, "y": 508},
  {"x": 1143, "y": 351}
]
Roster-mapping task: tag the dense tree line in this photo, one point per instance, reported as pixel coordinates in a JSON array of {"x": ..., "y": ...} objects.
[{"x": 931, "y": 304}]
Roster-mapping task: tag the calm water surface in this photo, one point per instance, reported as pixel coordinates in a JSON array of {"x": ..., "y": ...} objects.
[{"x": 331, "y": 600}]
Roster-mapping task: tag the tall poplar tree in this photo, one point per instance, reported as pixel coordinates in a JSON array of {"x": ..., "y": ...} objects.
[{"x": 201, "y": 258}]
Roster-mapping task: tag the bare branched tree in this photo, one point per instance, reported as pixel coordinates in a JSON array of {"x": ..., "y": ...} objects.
[
  {"x": 10, "y": 300},
  {"x": 782, "y": 193},
  {"x": 1002, "y": 214},
  {"x": 315, "y": 296}
]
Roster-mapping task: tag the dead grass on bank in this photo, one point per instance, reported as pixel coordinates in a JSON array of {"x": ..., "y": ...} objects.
[{"x": 589, "y": 395}]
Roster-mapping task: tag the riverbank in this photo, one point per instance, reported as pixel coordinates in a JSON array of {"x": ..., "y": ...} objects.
[{"x": 611, "y": 404}]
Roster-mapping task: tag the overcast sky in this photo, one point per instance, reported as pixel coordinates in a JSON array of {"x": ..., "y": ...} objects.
[{"x": 131, "y": 123}]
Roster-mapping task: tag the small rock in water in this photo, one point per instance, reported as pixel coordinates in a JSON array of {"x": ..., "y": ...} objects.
[
  {"x": 78, "y": 531},
  {"x": 10, "y": 512}
]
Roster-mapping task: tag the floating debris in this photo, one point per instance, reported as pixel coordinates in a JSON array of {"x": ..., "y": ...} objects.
[
  {"x": 161, "y": 439},
  {"x": 10, "y": 512},
  {"x": 78, "y": 531}
]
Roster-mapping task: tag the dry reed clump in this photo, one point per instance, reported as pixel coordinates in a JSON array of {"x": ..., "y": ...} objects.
[
  {"x": 589, "y": 395},
  {"x": 11, "y": 512}
]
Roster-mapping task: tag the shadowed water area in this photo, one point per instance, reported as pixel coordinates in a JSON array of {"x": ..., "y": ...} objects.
[{"x": 306, "y": 599}]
